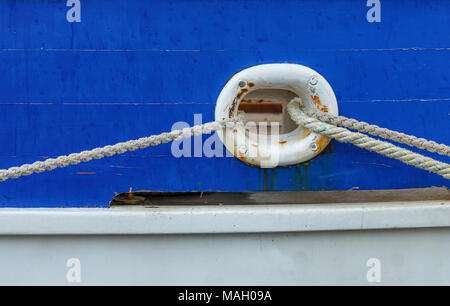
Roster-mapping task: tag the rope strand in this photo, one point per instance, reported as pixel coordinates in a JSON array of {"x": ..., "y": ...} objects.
[
  {"x": 375, "y": 130},
  {"x": 366, "y": 142},
  {"x": 324, "y": 124},
  {"x": 119, "y": 148}
]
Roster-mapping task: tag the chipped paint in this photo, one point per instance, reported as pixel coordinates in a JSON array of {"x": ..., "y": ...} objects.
[
  {"x": 236, "y": 101},
  {"x": 319, "y": 104},
  {"x": 249, "y": 106},
  {"x": 322, "y": 142},
  {"x": 265, "y": 101}
]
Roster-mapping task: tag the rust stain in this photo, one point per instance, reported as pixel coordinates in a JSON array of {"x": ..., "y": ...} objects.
[
  {"x": 242, "y": 158},
  {"x": 254, "y": 145},
  {"x": 233, "y": 106},
  {"x": 319, "y": 105},
  {"x": 235, "y": 100},
  {"x": 253, "y": 101},
  {"x": 322, "y": 142},
  {"x": 283, "y": 142},
  {"x": 130, "y": 194},
  {"x": 243, "y": 91},
  {"x": 260, "y": 107},
  {"x": 250, "y": 84},
  {"x": 307, "y": 133}
]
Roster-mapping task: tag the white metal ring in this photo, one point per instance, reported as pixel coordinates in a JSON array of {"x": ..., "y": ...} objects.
[{"x": 293, "y": 147}]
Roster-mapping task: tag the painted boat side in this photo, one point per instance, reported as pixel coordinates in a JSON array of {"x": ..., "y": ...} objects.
[
  {"x": 133, "y": 68},
  {"x": 324, "y": 244}
]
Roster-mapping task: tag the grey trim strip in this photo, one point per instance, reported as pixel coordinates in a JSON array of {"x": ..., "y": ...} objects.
[{"x": 224, "y": 219}]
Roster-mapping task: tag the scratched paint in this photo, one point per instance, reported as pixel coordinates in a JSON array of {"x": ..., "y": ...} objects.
[{"x": 132, "y": 68}]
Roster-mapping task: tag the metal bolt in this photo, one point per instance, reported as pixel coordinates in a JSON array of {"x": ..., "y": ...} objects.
[
  {"x": 314, "y": 146},
  {"x": 313, "y": 81},
  {"x": 243, "y": 149},
  {"x": 242, "y": 84}
]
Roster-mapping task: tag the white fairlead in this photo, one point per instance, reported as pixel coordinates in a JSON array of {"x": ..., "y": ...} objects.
[
  {"x": 286, "y": 92},
  {"x": 263, "y": 92}
]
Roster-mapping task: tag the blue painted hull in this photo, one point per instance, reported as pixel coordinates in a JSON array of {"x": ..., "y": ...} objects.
[{"x": 133, "y": 68}]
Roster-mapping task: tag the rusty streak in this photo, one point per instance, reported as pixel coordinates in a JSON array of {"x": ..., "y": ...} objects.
[{"x": 261, "y": 107}]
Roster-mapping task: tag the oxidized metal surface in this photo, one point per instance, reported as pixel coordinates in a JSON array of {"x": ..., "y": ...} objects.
[{"x": 271, "y": 82}]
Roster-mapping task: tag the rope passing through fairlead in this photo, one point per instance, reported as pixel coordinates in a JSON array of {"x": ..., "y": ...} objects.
[
  {"x": 365, "y": 142},
  {"x": 119, "y": 148},
  {"x": 325, "y": 124}
]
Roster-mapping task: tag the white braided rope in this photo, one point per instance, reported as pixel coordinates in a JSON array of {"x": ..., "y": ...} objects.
[
  {"x": 119, "y": 148},
  {"x": 375, "y": 130},
  {"x": 366, "y": 142},
  {"x": 338, "y": 133}
]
